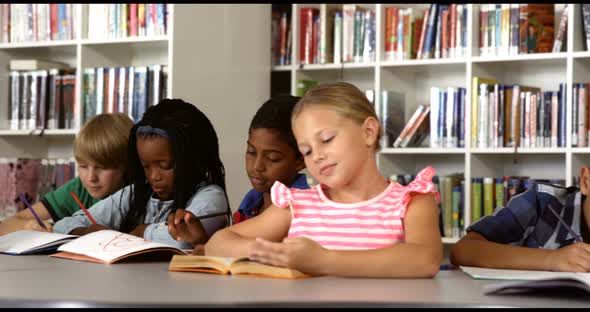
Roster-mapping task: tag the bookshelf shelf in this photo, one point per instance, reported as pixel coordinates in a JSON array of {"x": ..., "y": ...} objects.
[
  {"x": 21, "y": 45},
  {"x": 429, "y": 62},
  {"x": 279, "y": 68},
  {"x": 36, "y": 132},
  {"x": 510, "y": 150},
  {"x": 162, "y": 38},
  {"x": 415, "y": 77},
  {"x": 449, "y": 240},
  {"x": 521, "y": 57}
]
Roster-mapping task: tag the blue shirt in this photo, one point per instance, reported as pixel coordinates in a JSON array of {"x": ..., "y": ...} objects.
[
  {"x": 527, "y": 222},
  {"x": 250, "y": 205}
]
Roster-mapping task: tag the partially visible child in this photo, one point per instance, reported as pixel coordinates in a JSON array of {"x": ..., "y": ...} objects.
[
  {"x": 100, "y": 150},
  {"x": 271, "y": 155},
  {"x": 527, "y": 234},
  {"x": 354, "y": 222},
  {"x": 175, "y": 166}
]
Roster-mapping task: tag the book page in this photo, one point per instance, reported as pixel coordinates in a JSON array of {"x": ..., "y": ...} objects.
[
  {"x": 516, "y": 275},
  {"x": 109, "y": 245},
  {"x": 190, "y": 262},
  {"x": 26, "y": 240}
]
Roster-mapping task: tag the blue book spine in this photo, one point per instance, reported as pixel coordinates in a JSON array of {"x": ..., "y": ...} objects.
[
  {"x": 461, "y": 124},
  {"x": 62, "y": 20},
  {"x": 498, "y": 28},
  {"x": 561, "y": 115},
  {"x": 464, "y": 30},
  {"x": 429, "y": 38},
  {"x": 455, "y": 134},
  {"x": 442, "y": 135}
]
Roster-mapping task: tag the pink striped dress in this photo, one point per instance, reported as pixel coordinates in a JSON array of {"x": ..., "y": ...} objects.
[{"x": 374, "y": 223}]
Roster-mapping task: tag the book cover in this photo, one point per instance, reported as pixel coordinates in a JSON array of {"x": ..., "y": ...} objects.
[
  {"x": 233, "y": 266},
  {"x": 391, "y": 115}
]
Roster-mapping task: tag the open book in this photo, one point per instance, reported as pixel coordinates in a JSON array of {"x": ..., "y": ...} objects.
[
  {"x": 234, "y": 266},
  {"x": 28, "y": 242},
  {"x": 109, "y": 246},
  {"x": 517, "y": 281}
]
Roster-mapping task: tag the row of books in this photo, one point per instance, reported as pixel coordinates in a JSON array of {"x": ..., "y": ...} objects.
[
  {"x": 586, "y": 22},
  {"x": 447, "y": 121},
  {"x": 280, "y": 36},
  {"x": 440, "y": 31},
  {"x": 33, "y": 178},
  {"x": 117, "y": 20},
  {"x": 334, "y": 36},
  {"x": 491, "y": 193},
  {"x": 580, "y": 115},
  {"x": 26, "y": 22},
  {"x": 516, "y": 115},
  {"x": 128, "y": 90},
  {"x": 42, "y": 99},
  {"x": 519, "y": 28}
]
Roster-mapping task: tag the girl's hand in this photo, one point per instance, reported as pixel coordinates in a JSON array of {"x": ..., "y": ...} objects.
[
  {"x": 184, "y": 226},
  {"x": 291, "y": 253},
  {"x": 34, "y": 225}
]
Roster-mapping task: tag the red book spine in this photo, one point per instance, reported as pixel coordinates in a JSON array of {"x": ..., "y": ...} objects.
[
  {"x": 388, "y": 38},
  {"x": 133, "y": 19},
  {"x": 453, "y": 30},
  {"x": 422, "y": 34},
  {"x": 305, "y": 31},
  {"x": 394, "y": 22},
  {"x": 54, "y": 21}
]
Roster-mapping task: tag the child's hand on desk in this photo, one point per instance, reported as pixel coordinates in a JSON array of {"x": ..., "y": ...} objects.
[
  {"x": 291, "y": 253},
  {"x": 88, "y": 229},
  {"x": 183, "y": 225},
  {"x": 571, "y": 258},
  {"x": 34, "y": 225}
]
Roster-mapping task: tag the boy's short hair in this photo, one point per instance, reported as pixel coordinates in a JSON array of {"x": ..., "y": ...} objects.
[
  {"x": 104, "y": 139},
  {"x": 276, "y": 114}
]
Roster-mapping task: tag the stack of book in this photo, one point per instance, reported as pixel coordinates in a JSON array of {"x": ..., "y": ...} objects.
[
  {"x": 128, "y": 90},
  {"x": 41, "y": 95},
  {"x": 336, "y": 36},
  {"x": 32, "y": 177},
  {"x": 447, "y": 121},
  {"x": 512, "y": 29},
  {"x": 26, "y": 22},
  {"x": 516, "y": 115},
  {"x": 438, "y": 32},
  {"x": 281, "y": 35},
  {"x": 489, "y": 193},
  {"x": 119, "y": 20}
]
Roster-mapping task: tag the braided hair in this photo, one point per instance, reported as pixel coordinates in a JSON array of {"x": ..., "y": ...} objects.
[{"x": 195, "y": 151}]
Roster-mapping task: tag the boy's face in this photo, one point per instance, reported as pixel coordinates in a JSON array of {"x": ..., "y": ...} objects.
[
  {"x": 269, "y": 158},
  {"x": 98, "y": 180},
  {"x": 155, "y": 154}
]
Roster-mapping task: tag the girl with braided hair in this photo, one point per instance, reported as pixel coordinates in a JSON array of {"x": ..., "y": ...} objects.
[{"x": 173, "y": 158}]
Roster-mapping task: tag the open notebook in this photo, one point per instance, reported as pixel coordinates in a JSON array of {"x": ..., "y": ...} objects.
[
  {"x": 109, "y": 246},
  {"x": 517, "y": 281},
  {"x": 25, "y": 242}
]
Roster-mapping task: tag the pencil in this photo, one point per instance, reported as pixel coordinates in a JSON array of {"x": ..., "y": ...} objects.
[
  {"x": 24, "y": 200},
  {"x": 83, "y": 208},
  {"x": 567, "y": 227}
]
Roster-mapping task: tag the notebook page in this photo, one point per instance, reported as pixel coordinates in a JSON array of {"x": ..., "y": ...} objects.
[{"x": 26, "y": 240}]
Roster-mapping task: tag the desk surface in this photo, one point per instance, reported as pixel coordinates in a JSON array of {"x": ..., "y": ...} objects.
[{"x": 41, "y": 281}]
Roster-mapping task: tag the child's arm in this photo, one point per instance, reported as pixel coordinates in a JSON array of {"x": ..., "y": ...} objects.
[
  {"x": 235, "y": 241},
  {"x": 183, "y": 225},
  {"x": 475, "y": 250},
  {"x": 24, "y": 220},
  {"x": 419, "y": 256}
]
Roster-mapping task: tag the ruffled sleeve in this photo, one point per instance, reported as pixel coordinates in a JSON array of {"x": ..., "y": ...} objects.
[
  {"x": 422, "y": 184},
  {"x": 280, "y": 195}
]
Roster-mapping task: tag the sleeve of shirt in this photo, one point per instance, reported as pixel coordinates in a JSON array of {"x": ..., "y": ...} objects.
[
  {"x": 208, "y": 200},
  {"x": 280, "y": 195},
  {"x": 108, "y": 212},
  {"x": 422, "y": 184},
  {"x": 508, "y": 225},
  {"x": 60, "y": 203}
]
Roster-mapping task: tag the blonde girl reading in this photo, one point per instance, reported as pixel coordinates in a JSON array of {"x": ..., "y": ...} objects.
[{"x": 354, "y": 222}]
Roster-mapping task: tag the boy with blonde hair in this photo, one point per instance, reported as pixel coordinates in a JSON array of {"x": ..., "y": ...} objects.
[{"x": 100, "y": 150}]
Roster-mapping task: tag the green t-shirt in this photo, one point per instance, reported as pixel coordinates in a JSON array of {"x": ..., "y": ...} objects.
[{"x": 60, "y": 202}]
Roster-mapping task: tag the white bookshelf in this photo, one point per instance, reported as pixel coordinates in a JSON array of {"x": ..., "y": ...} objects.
[
  {"x": 208, "y": 48},
  {"x": 415, "y": 77}
]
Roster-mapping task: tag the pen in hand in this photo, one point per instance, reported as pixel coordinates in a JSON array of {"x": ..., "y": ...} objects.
[
  {"x": 24, "y": 200},
  {"x": 567, "y": 227}
]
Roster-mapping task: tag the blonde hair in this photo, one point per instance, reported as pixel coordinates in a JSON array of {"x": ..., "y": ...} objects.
[
  {"x": 104, "y": 140},
  {"x": 342, "y": 97}
]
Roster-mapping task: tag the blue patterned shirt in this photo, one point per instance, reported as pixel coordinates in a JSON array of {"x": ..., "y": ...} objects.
[{"x": 527, "y": 222}]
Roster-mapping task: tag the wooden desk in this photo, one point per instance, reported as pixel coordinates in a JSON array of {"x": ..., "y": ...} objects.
[{"x": 40, "y": 281}]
